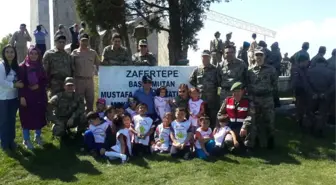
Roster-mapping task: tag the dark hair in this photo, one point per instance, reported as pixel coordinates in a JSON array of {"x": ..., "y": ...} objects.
[
  {"x": 230, "y": 46},
  {"x": 119, "y": 105},
  {"x": 158, "y": 90},
  {"x": 183, "y": 109},
  {"x": 109, "y": 109},
  {"x": 83, "y": 24},
  {"x": 38, "y": 27},
  {"x": 183, "y": 86},
  {"x": 115, "y": 36},
  {"x": 322, "y": 49},
  {"x": 14, "y": 65},
  {"x": 118, "y": 120},
  {"x": 92, "y": 116}
]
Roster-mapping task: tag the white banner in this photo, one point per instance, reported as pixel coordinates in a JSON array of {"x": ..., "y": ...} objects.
[{"x": 117, "y": 83}]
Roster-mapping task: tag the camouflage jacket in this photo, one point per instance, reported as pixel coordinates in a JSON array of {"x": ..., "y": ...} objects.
[
  {"x": 228, "y": 74},
  {"x": 116, "y": 57},
  {"x": 145, "y": 60},
  {"x": 57, "y": 64},
  {"x": 206, "y": 79},
  {"x": 65, "y": 106},
  {"x": 262, "y": 81}
]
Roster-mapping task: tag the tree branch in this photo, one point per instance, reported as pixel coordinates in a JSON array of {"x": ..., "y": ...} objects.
[{"x": 154, "y": 5}]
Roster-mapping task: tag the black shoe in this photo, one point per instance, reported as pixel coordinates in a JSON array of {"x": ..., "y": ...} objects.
[{"x": 270, "y": 143}]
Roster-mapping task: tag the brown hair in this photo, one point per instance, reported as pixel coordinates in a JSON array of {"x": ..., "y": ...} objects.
[{"x": 194, "y": 89}]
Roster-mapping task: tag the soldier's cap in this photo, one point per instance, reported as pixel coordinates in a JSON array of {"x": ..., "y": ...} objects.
[
  {"x": 69, "y": 81},
  {"x": 303, "y": 58},
  {"x": 258, "y": 50},
  {"x": 223, "y": 118},
  {"x": 84, "y": 36},
  {"x": 236, "y": 86},
  {"x": 60, "y": 26},
  {"x": 230, "y": 33},
  {"x": 60, "y": 37},
  {"x": 146, "y": 78},
  {"x": 101, "y": 101},
  {"x": 217, "y": 33},
  {"x": 143, "y": 42},
  {"x": 206, "y": 53}
]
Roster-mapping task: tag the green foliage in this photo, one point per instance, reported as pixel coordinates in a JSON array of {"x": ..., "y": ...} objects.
[{"x": 5, "y": 41}]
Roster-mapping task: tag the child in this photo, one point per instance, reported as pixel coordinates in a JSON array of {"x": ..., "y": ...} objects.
[
  {"x": 196, "y": 107},
  {"x": 181, "y": 133},
  {"x": 96, "y": 136},
  {"x": 204, "y": 139},
  {"x": 131, "y": 109},
  {"x": 143, "y": 127},
  {"x": 162, "y": 134},
  {"x": 123, "y": 147},
  {"x": 110, "y": 112},
  {"x": 119, "y": 108},
  {"x": 101, "y": 106},
  {"x": 222, "y": 135},
  {"x": 161, "y": 102}
]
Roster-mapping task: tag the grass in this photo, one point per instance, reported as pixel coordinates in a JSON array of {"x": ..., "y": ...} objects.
[{"x": 297, "y": 159}]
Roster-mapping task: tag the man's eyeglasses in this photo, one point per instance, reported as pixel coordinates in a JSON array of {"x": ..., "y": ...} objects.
[
  {"x": 182, "y": 91},
  {"x": 259, "y": 55}
]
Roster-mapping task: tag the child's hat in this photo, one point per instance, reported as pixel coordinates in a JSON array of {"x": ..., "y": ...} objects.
[{"x": 101, "y": 101}]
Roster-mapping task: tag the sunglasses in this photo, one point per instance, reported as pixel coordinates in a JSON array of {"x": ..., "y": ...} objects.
[
  {"x": 143, "y": 46},
  {"x": 259, "y": 55}
]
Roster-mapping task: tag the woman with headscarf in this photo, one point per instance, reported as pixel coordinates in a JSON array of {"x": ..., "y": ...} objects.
[
  {"x": 33, "y": 97},
  {"x": 9, "y": 103}
]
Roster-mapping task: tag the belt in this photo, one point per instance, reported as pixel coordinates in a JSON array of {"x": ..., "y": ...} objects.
[{"x": 83, "y": 77}]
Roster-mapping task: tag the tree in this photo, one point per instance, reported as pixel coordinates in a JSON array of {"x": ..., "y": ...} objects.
[
  {"x": 185, "y": 19},
  {"x": 106, "y": 14},
  {"x": 5, "y": 41}
]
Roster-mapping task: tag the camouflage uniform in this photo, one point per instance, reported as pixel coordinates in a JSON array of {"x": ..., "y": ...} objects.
[
  {"x": 64, "y": 106},
  {"x": 229, "y": 73},
  {"x": 248, "y": 123},
  {"x": 262, "y": 82},
  {"x": 216, "y": 48},
  {"x": 116, "y": 57},
  {"x": 57, "y": 65},
  {"x": 205, "y": 78},
  {"x": 146, "y": 60}
]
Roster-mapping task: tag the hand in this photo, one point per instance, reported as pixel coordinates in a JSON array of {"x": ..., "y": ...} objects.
[
  {"x": 34, "y": 87},
  {"x": 158, "y": 144},
  {"x": 243, "y": 132},
  {"x": 18, "y": 84},
  {"x": 23, "y": 102},
  {"x": 70, "y": 122},
  {"x": 235, "y": 143}
]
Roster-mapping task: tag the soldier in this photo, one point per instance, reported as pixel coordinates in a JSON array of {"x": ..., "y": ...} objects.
[
  {"x": 332, "y": 60},
  {"x": 262, "y": 82},
  {"x": 57, "y": 64},
  {"x": 19, "y": 41},
  {"x": 303, "y": 51},
  {"x": 84, "y": 63},
  {"x": 321, "y": 52},
  {"x": 230, "y": 71},
  {"x": 285, "y": 65},
  {"x": 241, "y": 113},
  {"x": 242, "y": 54},
  {"x": 300, "y": 87},
  {"x": 115, "y": 54},
  {"x": 275, "y": 60},
  {"x": 143, "y": 57},
  {"x": 216, "y": 48},
  {"x": 331, "y": 66},
  {"x": 66, "y": 110},
  {"x": 322, "y": 85},
  {"x": 140, "y": 32},
  {"x": 266, "y": 51},
  {"x": 251, "y": 50},
  {"x": 205, "y": 78}
]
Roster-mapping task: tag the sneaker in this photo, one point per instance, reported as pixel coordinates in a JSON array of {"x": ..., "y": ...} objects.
[
  {"x": 123, "y": 158},
  {"x": 38, "y": 141},
  {"x": 28, "y": 145}
]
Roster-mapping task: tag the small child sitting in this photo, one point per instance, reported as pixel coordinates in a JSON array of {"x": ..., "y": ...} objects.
[
  {"x": 123, "y": 147},
  {"x": 162, "y": 134},
  {"x": 119, "y": 108},
  {"x": 224, "y": 137},
  {"x": 101, "y": 106},
  {"x": 110, "y": 112},
  {"x": 204, "y": 139},
  {"x": 161, "y": 102},
  {"x": 95, "y": 138},
  {"x": 131, "y": 109},
  {"x": 196, "y": 107}
]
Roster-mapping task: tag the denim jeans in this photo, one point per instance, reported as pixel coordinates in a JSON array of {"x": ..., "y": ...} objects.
[
  {"x": 26, "y": 134},
  {"x": 8, "y": 109}
]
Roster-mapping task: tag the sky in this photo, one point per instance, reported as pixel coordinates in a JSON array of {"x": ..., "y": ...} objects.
[{"x": 295, "y": 22}]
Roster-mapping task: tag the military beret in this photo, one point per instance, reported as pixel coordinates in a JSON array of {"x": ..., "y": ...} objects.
[
  {"x": 143, "y": 42},
  {"x": 206, "y": 53},
  {"x": 69, "y": 81},
  {"x": 236, "y": 86}
]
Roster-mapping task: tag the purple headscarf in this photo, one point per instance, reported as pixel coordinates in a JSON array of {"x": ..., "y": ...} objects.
[{"x": 34, "y": 69}]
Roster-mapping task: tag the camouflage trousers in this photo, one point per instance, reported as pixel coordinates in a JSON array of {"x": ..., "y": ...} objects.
[
  {"x": 224, "y": 93},
  {"x": 216, "y": 58},
  {"x": 317, "y": 115},
  {"x": 264, "y": 119},
  {"x": 248, "y": 140},
  {"x": 60, "y": 126},
  {"x": 56, "y": 86}
]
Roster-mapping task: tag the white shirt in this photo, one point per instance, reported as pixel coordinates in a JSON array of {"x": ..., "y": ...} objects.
[
  {"x": 195, "y": 108},
  {"x": 99, "y": 131},
  {"x": 161, "y": 106},
  {"x": 110, "y": 122},
  {"x": 204, "y": 134},
  {"x": 142, "y": 125},
  {"x": 7, "y": 89},
  {"x": 181, "y": 130},
  {"x": 220, "y": 135},
  {"x": 125, "y": 132}
]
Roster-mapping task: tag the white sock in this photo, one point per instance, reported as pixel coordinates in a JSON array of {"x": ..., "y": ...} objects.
[{"x": 114, "y": 155}]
